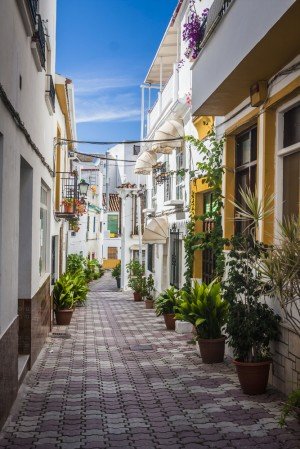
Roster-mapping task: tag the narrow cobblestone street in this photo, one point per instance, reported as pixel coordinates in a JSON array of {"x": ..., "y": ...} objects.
[{"x": 115, "y": 378}]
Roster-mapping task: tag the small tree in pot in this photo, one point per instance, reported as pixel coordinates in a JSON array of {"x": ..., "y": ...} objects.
[
  {"x": 251, "y": 324},
  {"x": 116, "y": 273},
  {"x": 166, "y": 304},
  {"x": 204, "y": 307},
  {"x": 149, "y": 301},
  {"x": 136, "y": 274}
]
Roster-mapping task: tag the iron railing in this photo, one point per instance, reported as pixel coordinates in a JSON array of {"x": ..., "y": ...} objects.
[
  {"x": 51, "y": 91},
  {"x": 67, "y": 183},
  {"x": 216, "y": 12},
  {"x": 33, "y": 8},
  {"x": 40, "y": 39}
]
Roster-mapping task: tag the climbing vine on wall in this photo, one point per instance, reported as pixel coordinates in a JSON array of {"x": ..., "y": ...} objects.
[{"x": 210, "y": 169}]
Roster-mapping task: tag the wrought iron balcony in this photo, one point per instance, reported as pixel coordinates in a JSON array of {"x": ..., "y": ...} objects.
[
  {"x": 33, "y": 8},
  {"x": 29, "y": 9},
  {"x": 39, "y": 42},
  {"x": 67, "y": 195},
  {"x": 50, "y": 94}
]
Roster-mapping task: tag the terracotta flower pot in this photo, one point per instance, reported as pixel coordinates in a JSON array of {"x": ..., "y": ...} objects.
[
  {"x": 170, "y": 321},
  {"x": 68, "y": 208},
  {"x": 137, "y": 296},
  {"x": 149, "y": 303},
  {"x": 63, "y": 317},
  {"x": 253, "y": 376},
  {"x": 212, "y": 350}
]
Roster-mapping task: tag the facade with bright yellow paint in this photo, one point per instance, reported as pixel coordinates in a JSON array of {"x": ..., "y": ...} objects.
[{"x": 254, "y": 96}]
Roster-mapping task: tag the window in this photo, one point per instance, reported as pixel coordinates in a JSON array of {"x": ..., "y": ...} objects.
[
  {"x": 135, "y": 218},
  {"x": 150, "y": 258},
  {"x": 245, "y": 169},
  {"x": 179, "y": 178},
  {"x": 43, "y": 229},
  {"x": 136, "y": 150},
  {"x": 94, "y": 224},
  {"x": 135, "y": 255},
  {"x": 112, "y": 252},
  {"x": 88, "y": 223},
  {"x": 290, "y": 163},
  {"x": 113, "y": 223}
]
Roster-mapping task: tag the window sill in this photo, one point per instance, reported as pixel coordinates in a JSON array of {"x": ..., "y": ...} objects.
[{"x": 173, "y": 203}]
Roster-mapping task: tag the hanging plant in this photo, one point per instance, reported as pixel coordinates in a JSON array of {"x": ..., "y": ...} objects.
[{"x": 193, "y": 32}]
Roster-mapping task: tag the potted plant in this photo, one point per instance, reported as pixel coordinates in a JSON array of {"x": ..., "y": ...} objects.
[
  {"x": 204, "y": 307},
  {"x": 291, "y": 407},
  {"x": 68, "y": 204},
  {"x": 136, "y": 273},
  {"x": 149, "y": 301},
  {"x": 165, "y": 304},
  {"x": 116, "y": 273},
  {"x": 251, "y": 324},
  {"x": 80, "y": 287},
  {"x": 63, "y": 299},
  {"x": 74, "y": 225}
]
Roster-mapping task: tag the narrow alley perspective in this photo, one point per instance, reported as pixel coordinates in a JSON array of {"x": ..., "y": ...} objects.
[{"x": 115, "y": 378}]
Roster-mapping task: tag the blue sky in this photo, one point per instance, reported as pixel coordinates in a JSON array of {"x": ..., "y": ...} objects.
[{"x": 106, "y": 47}]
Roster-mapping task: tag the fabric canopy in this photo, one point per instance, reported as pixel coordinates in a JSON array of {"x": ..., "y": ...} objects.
[
  {"x": 145, "y": 162},
  {"x": 171, "y": 129},
  {"x": 156, "y": 231}
]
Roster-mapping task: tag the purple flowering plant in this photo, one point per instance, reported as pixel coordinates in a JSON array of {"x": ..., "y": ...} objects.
[{"x": 193, "y": 31}]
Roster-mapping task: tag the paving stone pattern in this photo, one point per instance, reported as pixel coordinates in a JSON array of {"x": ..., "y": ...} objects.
[{"x": 100, "y": 389}]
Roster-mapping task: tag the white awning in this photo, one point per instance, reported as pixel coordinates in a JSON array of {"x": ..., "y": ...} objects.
[
  {"x": 171, "y": 129},
  {"x": 156, "y": 231},
  {"x": 145, "y": 162}
]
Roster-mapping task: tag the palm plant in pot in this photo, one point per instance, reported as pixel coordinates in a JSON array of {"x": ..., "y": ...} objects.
[
  {"x": 136, "y": 274},
  {"x": 251, "y": 324},
  {"x": 116, "y": 273},
  {"x": 63, "y": 299},
  {"x": 149, "y": 291},
  {"x": 166, "y": 304},
  {"x": 204, "y": 307}
]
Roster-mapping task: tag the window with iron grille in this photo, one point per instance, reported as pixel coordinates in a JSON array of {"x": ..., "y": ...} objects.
[
  {"x": 179, "y": 178},
  {"x": 245, "y": 171},
  {"x": 135, "y": 255},
  {"x": 94, "y": 225},
  {"x": 150, "y": 258},
  {"x": 174, "y": 257},
  {"x": 136, "y": 149}
]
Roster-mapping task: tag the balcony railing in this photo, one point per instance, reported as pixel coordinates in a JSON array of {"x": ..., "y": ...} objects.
[
  {"x": 67, "y": 194},
  {"x": 40, "y": 40},
  {"x": 165, "y": 98},
  {"x": 33, "y": 8},
  {"x": 216, "y": 12},
  {"x": 50, "y": 93}
]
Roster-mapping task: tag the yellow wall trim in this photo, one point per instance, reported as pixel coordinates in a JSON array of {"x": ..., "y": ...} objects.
[{"x": 204, "y": 125}]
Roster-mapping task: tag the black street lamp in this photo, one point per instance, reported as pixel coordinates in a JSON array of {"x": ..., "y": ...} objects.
[{"x": 83, "y": 188}]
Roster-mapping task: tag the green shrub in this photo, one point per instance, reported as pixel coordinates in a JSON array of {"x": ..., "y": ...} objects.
[
  {"x": 291, "y": 407},
  {"x": 116, "y": 272},
  {"x": 75, "y": 262},
  {"x": 136, "y": 273},
  {"x": 204, "y": 307},
  {"x": 63, "y": 292},
  {"x": 167, "y": 301}
]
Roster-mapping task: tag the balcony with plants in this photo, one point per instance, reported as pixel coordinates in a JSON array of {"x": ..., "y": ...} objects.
[{"x": 70, "y": 197}]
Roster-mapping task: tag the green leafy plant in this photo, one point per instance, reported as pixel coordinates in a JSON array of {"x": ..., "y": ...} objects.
[
  {"x": 211, "y": 170},
  {"x": 93, "y": 270},
  {"x": 63, "y": 292},
  {"x": 80, "y": 287},
  {"x": 136, "y": 274},
  {"x": 75, "y": 262},
  {"x": 251, "y": 324},
  {"x": 150, "y": 287},
  {"x": 116, "y": 271},
  {"x": 204, "y": 307},
  {"x": 167, "y": 301},
  {"x": 280, "y": 268},
  {"x": 291, "y": 407}
]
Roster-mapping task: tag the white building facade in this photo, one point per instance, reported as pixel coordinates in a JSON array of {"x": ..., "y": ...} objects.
[{"x": 168, "y": 192}]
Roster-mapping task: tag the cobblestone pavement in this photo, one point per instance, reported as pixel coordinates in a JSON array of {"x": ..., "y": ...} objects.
[{"x": 120, "y": 380}]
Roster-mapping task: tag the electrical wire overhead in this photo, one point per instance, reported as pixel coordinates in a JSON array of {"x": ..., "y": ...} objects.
[{"x": 92, "y": 142}]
